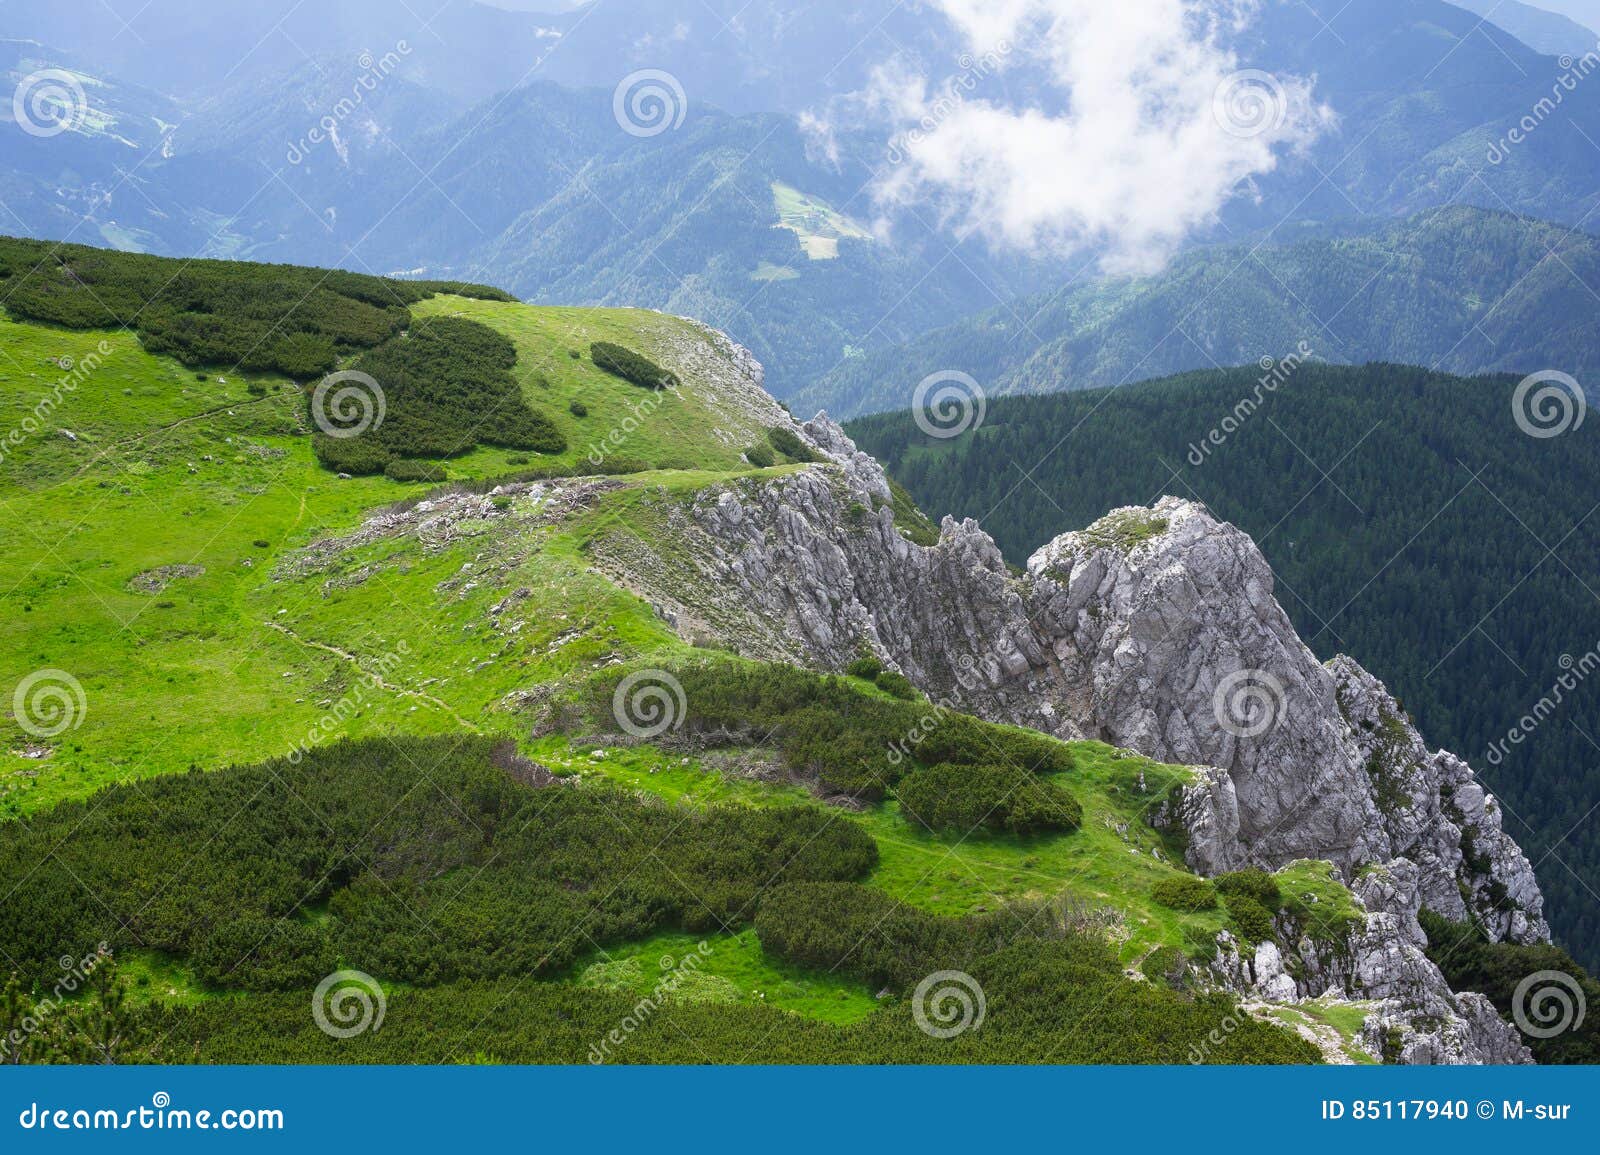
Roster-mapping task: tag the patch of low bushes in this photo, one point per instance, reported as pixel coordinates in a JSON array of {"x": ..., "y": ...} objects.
[
  {"x": 446, "y": 386},
  {"x": 1185, "y": 892},
  {"x": 788, "y": 443},
  {"x": 620, "y": 361},
  {"x": 963, "y": 799},
  {"x": 827, "y": 729}
]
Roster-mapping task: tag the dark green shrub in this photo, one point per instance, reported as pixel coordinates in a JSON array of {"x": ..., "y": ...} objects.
[
  {"x": 1165, "y": 964},
  {"x": 788, "y": 443},
  {"x": 1185, "y": 892},
  {"x": 446, "y": 386},
  {"x": 828, "y": 729},
  {"x": 867, "y": 667},
  {"x": 1252, "y": 881},
  {"x": 623, "y": 362},
  {"x": 962, "y": 799},
  {"x": 961, "y": 738},
  {"x": 1252, "y": 922},
  {"x": 1471, "y": 962},
  {"x": 896, "y": 684},
  {"x": 761, "y": 457},
  {"x": 578, "y": 409},
  {"x": 483, "y": 877},
  {"x": 256, "y": 389},
  {"x": 249, "y": 317}
]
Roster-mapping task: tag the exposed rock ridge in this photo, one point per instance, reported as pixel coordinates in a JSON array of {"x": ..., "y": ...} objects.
[
  {"x": 1154, "y": 629},
  {"x": 1411, "y": 1015}
]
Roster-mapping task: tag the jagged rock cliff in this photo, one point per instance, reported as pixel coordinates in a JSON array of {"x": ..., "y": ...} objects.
[{"x": 1154, "y": 629}]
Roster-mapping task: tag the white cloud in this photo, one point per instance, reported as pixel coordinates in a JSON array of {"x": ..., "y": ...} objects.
[{"x": 1157, "y": 125}]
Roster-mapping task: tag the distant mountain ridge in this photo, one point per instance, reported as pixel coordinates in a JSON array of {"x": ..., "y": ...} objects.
[
  {"x": 1458, "y": 289},
  {"x": 1542, "y": 30}
]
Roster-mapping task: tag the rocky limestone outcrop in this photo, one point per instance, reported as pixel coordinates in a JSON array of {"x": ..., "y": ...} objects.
[
  {"x": 1154, "y": 629},
  {"x": 1411, "y": 1014}
]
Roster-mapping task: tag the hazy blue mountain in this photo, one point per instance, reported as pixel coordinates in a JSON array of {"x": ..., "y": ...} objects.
[
  {"x": 1460, "y": 289},
  {"x": 195, "y": 50},
  {"x": 1585, "y": 12},
  {"x": 1540, "y": 29}
]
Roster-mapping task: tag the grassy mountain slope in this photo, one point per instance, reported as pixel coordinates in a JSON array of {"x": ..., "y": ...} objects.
[
  {"x": 1409, "y": 522},
  {"x": 1459, "y": 289},
  {"x": 164, "y": 470},
  {"x": 173, "y": 551}
]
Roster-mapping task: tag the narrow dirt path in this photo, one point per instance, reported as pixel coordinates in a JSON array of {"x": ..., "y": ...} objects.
[{"x": 377, "y": 681}]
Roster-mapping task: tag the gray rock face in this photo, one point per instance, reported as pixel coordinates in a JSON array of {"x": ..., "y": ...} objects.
[
  {"x": 1154, "y": 629},
  {"x": 1410, "y": 1013}
]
